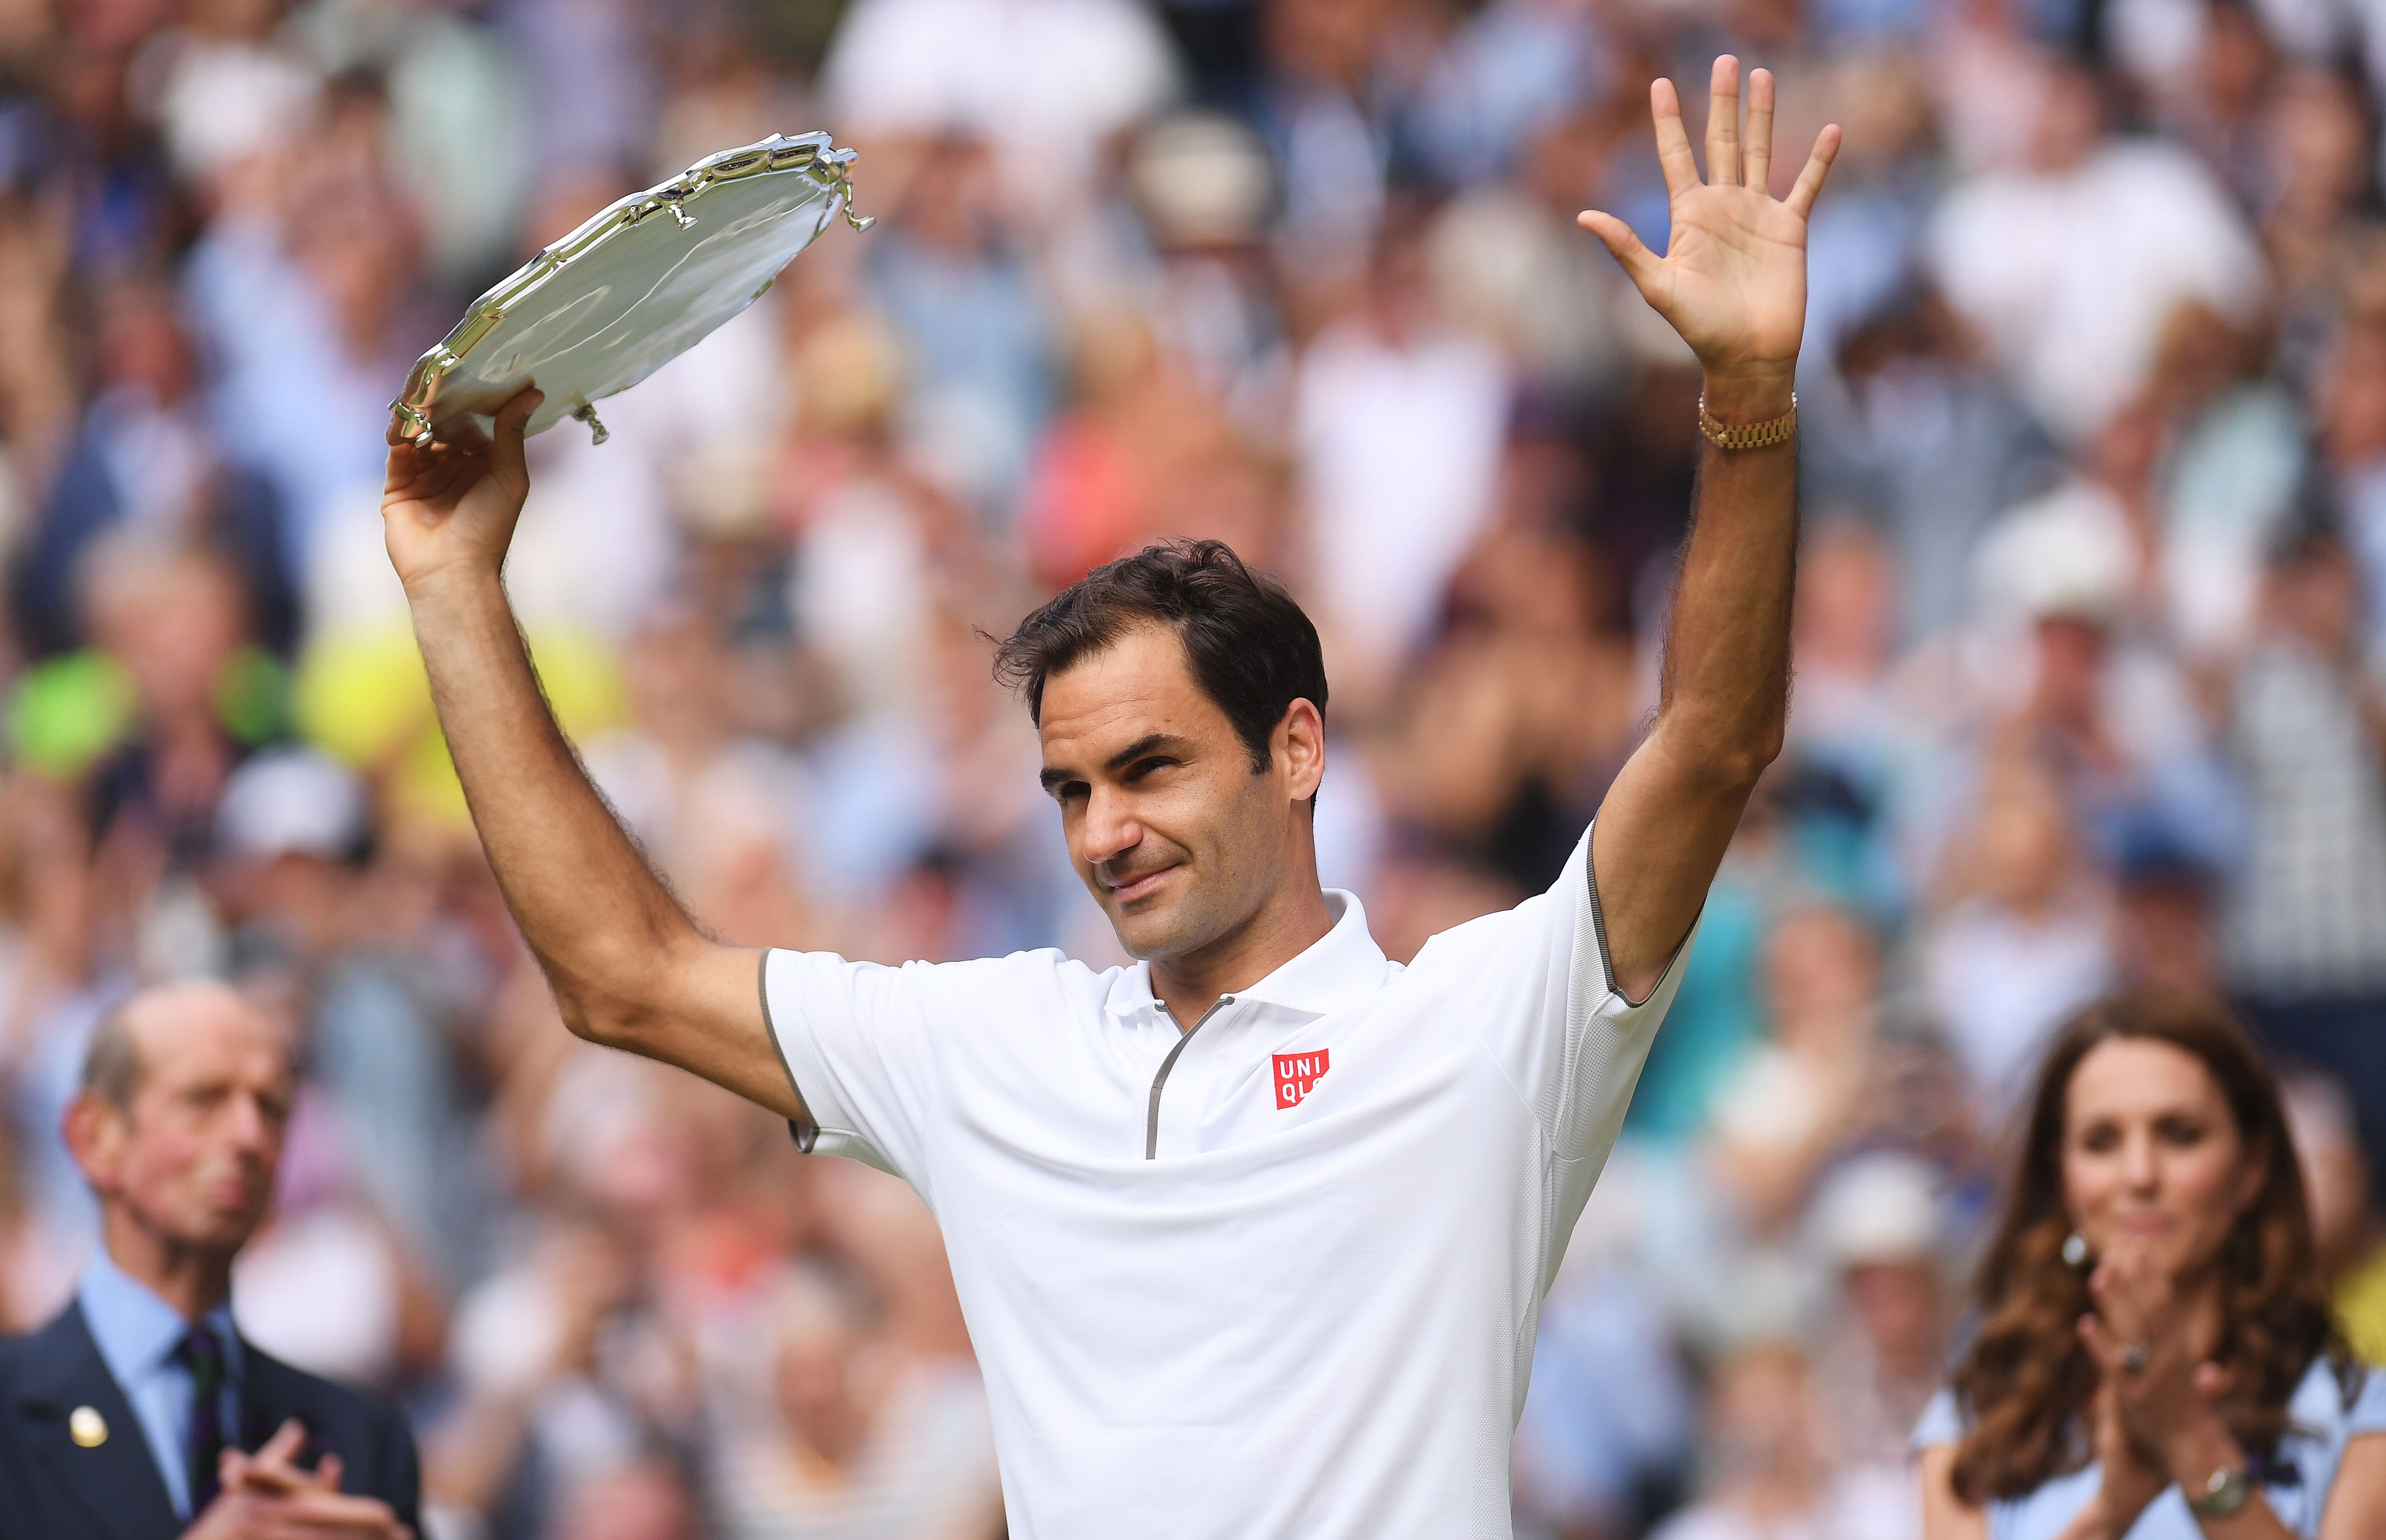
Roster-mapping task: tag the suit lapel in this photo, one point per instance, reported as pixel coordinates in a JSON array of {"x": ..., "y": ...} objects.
[
  {"x": 114, "y": 1482},
  {"x": 273, "y": 1392}
]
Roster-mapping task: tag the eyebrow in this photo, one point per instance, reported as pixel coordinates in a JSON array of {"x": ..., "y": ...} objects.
[{"x": 1149, "y": 743}]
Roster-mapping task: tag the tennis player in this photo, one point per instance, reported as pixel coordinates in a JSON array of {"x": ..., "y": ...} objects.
[{"x": 1252, "y": 1237}]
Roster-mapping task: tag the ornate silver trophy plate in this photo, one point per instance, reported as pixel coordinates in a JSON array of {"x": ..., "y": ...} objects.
[{"x": 640, "y": 283}]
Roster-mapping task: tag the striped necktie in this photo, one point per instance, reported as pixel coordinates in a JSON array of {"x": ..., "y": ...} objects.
[{"x": 201, "y": 1352}]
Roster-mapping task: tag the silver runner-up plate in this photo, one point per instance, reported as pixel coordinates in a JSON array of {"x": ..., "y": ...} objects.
[{"x": 626, "y": 293}]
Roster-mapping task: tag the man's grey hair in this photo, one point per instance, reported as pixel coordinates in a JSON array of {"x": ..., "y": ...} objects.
[{"x": 111, "y": 1063}]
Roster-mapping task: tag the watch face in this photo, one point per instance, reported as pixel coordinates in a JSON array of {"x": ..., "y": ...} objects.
[{"x": 2224, "y": 1495}]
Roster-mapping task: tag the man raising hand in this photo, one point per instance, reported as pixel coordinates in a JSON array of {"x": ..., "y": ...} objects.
[{"x": 1253, "y": 1235}]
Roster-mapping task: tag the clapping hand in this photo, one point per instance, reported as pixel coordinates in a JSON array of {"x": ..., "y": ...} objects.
[
  {"x": 1733, "y": 278},
  {"x": 2161, "y": 1387},
  {"x": 2159, "y": 1404},
  {"x": 267, "y": 1497}
]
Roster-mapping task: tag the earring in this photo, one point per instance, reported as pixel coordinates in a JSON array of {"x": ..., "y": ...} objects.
[{"x": 2075, "y": 1250}]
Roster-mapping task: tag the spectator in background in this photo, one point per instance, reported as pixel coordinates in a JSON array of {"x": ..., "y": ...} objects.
[
  {"x": 964, "y": 300},
  {"x": 1801, "y": 1096},
  {"x": 2353, "y": 438},
  {"x": 859, "y": 1442},
  {"x": 1876, "y": 1225},
  {"x": 2025, "y": 936},
  {"x": 1398, "y": 421},
  {"x": 2347, "y": 1225},
  {"x": 146, "y": 462},
  {"x": 1049, "y": 82},
  {"x": 1912, "y": 423},
  {"x": 2155, "y": 1293},
  {"x": 2305, "y": 932},
  {"x": 2069, "y": 264},
  {"x": 186, "y": 1093},
  {"x": 1767, "y": 1477},
  {"x": 1522, "y": 710}
]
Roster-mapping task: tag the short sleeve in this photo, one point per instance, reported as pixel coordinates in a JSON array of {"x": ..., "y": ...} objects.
[
  {"x": 854, "y": 1038},
  {"x": 1942, "y": 1422},
  {"x": 2367, "y": 1413},
  {"x": 1536, "y": 983}
]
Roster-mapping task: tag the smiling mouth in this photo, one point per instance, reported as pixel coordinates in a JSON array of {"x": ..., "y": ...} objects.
[{"x": 1138, "y": 887}]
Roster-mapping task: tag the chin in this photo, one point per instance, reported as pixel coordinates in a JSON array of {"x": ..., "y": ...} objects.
[
  {"x": 1149, "y": 936},
  {"x": 224, "y": 1232}
]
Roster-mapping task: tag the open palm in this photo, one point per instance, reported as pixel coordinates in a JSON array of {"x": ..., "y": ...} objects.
[{"x": 1733, "y": 278}]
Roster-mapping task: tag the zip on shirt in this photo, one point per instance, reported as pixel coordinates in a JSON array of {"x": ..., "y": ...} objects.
[{"x": 1151, "y": 1124}]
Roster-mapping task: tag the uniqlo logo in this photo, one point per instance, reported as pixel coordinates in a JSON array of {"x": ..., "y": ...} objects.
[{"x": 1295, "y": 1073}]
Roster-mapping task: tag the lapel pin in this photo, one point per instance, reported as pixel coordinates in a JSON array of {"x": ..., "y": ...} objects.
[{"x": 86, "y": 1427}]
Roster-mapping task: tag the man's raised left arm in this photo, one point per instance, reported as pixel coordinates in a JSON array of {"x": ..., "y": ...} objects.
[{"x": 1733, "y": 283}]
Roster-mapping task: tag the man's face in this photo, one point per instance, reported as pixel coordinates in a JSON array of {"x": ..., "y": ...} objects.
[
  {"x": 1175, "y": 835},
  {"x": 193, "y": 1159}
]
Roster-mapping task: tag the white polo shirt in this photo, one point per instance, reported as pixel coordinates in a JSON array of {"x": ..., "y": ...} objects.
[{"x": 1278, "y": 1276}]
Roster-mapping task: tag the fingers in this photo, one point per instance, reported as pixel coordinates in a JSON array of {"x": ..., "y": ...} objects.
[
  {"x": 1819, "y": 166},
  {"x": 273, "y": 1468},
  {"x": 287, "y": 1441},
  {"x": 2102, "y": 1346},
  {"x": 2131, "y": 1291},
  {"x": 1723, "y": 123},
  {"x": 330, "y": 1516},
  {"x": 2117, "y": 1305},
  {"x": 1674, "y": 155},
  {"x": 511, "y": 418},
  {"x": 1639, "y": 263},
  {"x": 1756, "y": 159}
]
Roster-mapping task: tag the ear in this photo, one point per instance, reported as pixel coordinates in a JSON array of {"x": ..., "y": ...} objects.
[
  {"x": 1300, "y": 745},
  {"x": 2257, "y": 1176},
  {"x": 95, "y": 1136}
]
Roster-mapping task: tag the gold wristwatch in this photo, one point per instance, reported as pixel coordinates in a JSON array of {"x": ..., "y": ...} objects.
[
  {"x": 2224, "y": 1495},
  {"x": 1749, "y": 436}
]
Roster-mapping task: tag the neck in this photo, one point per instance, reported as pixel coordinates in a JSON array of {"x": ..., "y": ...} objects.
[
  {"x": 1290, "y": 923},
  {"x": 193, "y": 1281}
]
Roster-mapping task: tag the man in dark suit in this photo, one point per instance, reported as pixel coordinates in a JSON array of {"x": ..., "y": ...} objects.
[{"x": 140, "y": 1412}]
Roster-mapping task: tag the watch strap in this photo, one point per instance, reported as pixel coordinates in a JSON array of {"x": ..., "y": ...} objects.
[{"x": 1749, "y": 436}]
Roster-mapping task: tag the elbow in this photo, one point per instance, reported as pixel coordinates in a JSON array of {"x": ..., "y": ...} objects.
[
  {"x": 579, "y": 1020},
  {"x": 1743, "y": 764},
  {"x": 593, "y": 1015},
  {"x": 1729, "y": 763},
  {"x": 617, "y": 996}
]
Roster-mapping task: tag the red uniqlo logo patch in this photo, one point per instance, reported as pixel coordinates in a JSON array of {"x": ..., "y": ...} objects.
[{"x": 1295, "y": 1073}]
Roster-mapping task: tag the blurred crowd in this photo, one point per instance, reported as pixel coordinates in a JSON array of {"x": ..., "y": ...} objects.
[{"x": 2090, "y": 650}]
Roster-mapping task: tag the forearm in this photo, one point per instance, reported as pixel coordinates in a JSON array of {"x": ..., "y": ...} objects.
[
  {"x": 1724, "y": 689},
  {"x": 593, "y": 913},
  {"x": 1670, "y": 815}
]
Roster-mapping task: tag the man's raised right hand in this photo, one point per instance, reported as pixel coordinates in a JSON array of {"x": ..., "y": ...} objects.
[{"x": 450, "y": 511}]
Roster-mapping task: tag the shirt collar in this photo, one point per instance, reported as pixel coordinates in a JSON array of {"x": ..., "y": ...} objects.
[
  {"x": 134, "y": 1329},
  {"x": 1338, "y": 965}
]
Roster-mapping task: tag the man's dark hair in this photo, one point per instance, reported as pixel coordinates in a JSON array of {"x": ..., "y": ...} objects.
[{"x": 1250, "y": 648}]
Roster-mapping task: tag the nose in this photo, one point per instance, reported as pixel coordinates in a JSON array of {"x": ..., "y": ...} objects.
[
  {"x": 250, "y": 1129},
  {"x": 1110, "y": 829},
  {"x": 2140, "y": 1168}
]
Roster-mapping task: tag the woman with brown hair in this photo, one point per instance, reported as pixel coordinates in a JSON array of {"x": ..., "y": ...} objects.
[{"x": 2155, "y": 1357}]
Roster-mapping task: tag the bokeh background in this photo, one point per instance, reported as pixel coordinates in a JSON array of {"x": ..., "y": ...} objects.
[{"x": 2091, "y": 614}]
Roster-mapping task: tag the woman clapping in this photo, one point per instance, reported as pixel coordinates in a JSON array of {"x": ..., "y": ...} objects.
[{"x": 2156, "y": 1358}]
